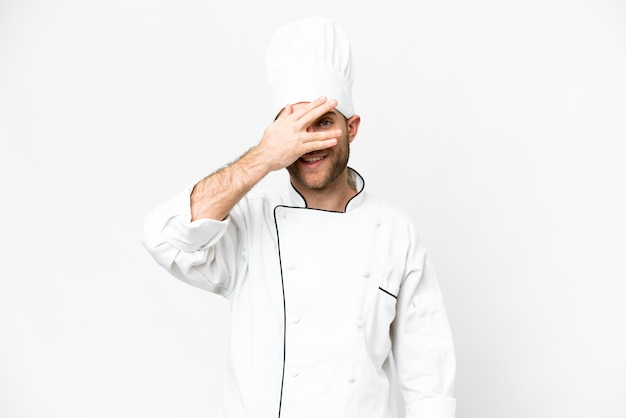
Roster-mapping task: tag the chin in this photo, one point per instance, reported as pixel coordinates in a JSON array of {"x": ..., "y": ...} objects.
[
  {"x": 313, "y": 184},
  {"x": 316, "y": 181},
  {"x": 308, "y": 181}
]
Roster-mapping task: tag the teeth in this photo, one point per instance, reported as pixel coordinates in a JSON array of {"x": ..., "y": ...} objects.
[{"x": 310, "y": 160}]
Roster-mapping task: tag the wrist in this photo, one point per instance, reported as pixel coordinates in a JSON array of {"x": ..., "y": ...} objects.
[{"x": 259, "y": 161}]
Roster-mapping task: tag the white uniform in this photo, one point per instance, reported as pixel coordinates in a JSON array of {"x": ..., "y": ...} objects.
[{"x": 319, "y": 301}]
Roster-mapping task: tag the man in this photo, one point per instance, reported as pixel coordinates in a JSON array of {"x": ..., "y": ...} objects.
[{"x": 324, "y": 281}]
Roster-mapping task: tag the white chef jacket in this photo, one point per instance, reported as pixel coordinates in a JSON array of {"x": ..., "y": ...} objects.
[{"x": 319, "y": 301}]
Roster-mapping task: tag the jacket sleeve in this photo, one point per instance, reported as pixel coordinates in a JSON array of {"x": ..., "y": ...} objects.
[
  {"x": 202, "y": 253},
  {"x": 422, "y": 342}
]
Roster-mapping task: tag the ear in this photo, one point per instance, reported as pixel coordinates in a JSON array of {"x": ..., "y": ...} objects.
[{"x": 353, "y": 127}]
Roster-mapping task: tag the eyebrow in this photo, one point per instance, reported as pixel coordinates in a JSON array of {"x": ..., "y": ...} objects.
[{"x": 329, "y": 113}]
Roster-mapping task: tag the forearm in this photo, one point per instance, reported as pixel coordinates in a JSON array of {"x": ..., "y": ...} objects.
[{"x": 215, "y": 195}]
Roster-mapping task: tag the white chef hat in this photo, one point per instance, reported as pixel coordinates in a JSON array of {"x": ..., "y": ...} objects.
[{"x": 309, "y": 58}]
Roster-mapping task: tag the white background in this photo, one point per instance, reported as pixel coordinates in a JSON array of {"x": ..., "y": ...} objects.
[{"x": 498, "y": 125}]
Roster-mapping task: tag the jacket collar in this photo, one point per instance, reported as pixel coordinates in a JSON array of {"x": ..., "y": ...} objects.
[{"x": 298, "y": 200}]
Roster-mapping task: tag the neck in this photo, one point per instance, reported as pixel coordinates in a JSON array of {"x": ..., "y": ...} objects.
[{"x": 334, "y": 197}]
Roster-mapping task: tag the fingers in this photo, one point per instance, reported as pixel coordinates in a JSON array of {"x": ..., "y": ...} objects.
[
  {"x": 316, "y": 141},
  {"x": 313, "y": 110},
  {"x": 322, "y": 136},
  {"x": 288, "y": 137},
  {"x": 319, "y": 145}
]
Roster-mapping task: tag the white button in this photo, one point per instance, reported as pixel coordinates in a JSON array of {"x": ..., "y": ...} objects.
[
  {"x": 291, "y": 267},
  {"x": 282, "y": 214},
  {"x": 366, "y": 274},
  {"x": 350, "y": 379},
  {"x": 377, "y": 222},
  {"x": 359, "y": 321},
  {"x": 295, "y": 319},
  {"x": 294, "y": 373}
]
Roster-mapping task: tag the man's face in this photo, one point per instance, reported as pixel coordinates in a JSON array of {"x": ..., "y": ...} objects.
[{"x": 320, "y": 170}]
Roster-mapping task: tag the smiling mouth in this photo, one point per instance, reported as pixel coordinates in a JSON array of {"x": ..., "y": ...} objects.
[{"x": 311, "y": 159}]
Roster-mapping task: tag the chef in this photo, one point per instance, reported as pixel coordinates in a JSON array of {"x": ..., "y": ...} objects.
[{"x": 326, "y": 284}]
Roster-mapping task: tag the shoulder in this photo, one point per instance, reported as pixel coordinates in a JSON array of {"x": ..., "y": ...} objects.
[
  {"x": 262, "y": 199},
  {"x": 395, "y": 220},
  {"x": 386, "y": 210},
  {"x": 267, "y": 193}
]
